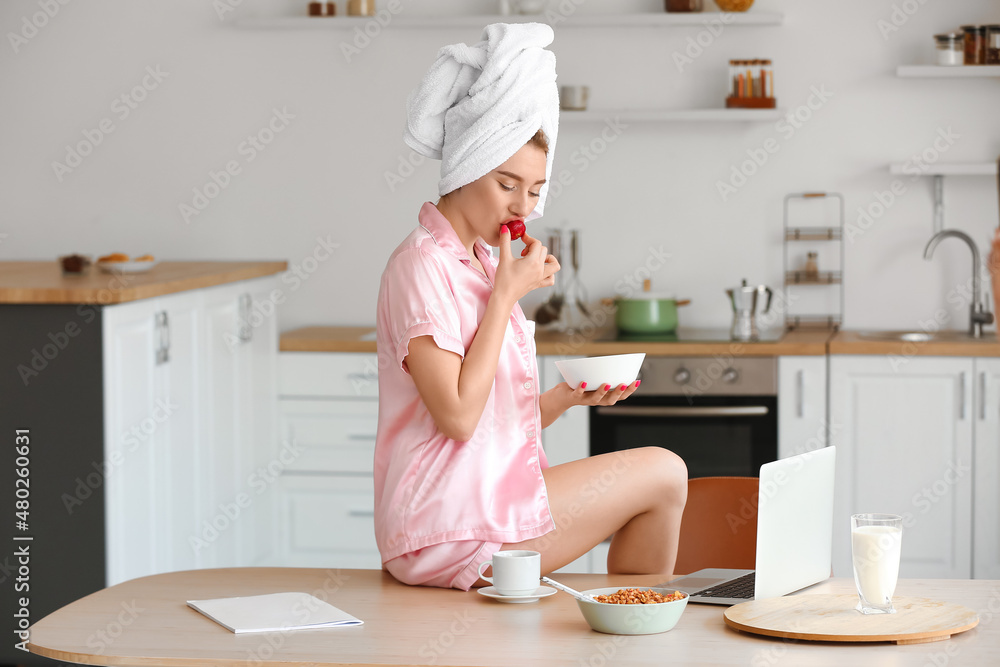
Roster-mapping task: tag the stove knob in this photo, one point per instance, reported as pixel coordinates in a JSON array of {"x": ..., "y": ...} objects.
[
  {"x": 682, "y": 376},
  {"x": 730, "y": 375}
]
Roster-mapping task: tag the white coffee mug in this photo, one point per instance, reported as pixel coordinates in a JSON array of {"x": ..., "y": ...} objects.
[{"x": 514, "y": 572}]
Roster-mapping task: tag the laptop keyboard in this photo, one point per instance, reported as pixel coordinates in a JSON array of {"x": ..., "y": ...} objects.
[{"x": 740, "y": 588}]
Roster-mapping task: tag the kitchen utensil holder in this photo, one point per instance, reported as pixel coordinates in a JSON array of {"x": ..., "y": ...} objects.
[{"x": 824, "y": 278}]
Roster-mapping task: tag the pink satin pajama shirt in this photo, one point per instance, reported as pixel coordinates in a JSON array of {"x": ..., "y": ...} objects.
[{"x": 443, "y": 506}]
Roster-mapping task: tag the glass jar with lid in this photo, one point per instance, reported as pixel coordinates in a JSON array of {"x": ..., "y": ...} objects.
[
  {"x": 993, "y": 45},
  {"x": 975, "y": 44},
  {"x": 950, "y": 49}
]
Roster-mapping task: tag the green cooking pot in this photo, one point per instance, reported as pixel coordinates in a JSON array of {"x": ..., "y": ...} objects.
[{"x": 647, "y": 314}]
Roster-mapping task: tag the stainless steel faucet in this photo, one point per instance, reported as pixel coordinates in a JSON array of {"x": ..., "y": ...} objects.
[{"x": 978, "y": 316}]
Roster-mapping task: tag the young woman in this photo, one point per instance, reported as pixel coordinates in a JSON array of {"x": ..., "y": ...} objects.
[{"x": 459, "y": 468}]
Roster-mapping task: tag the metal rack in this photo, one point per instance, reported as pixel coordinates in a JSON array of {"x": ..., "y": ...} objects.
[{"x": 825, "y": 277}]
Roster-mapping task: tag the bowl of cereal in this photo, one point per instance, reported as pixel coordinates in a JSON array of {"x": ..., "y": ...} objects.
[{"x": 633, "y": 611}]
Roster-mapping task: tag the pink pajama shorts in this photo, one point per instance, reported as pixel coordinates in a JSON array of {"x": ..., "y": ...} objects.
[{"x": 445, "y": 565}]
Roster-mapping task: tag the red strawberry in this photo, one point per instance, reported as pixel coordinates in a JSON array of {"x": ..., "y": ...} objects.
[{"x": 517, "y": 229}]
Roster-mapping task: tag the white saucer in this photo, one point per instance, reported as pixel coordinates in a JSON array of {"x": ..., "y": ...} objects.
[{"x": 534, "y": 596}]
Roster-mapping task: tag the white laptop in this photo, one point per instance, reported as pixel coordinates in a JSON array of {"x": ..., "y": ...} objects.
[{"x": 794, "y": 535}]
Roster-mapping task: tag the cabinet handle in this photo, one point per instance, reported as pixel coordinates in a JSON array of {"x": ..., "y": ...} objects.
[
  {"x": 800, "y": 381},
  {"x": 361, "y": 436},
  {"x": 961, "y": 395},
  {"x": 162, "y": 338},
  {"x": 245, "y": 308},
  {"x": 982, "y": 396},
  {"x": 361, "y": 512}
]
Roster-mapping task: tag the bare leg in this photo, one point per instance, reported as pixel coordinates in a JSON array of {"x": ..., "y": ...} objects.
[{"x": 636, "y": 494}]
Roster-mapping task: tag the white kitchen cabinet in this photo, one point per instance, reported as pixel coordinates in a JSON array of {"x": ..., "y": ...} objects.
[
  {"x": 240, "y": 366},
  {"x": 986, "y": 467},
  {"x": 328, "y": 407},
  {"x": 327, "y": 521},
  {"x": 802, "y": 421},
  {"x": 903, "y": 427},
  {"x": 189, "y": 414},
  {"x": 568, "y": 437}
]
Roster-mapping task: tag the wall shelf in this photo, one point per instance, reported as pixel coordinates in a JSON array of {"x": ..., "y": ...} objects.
[
  {"x": 812, "y": 234},
  {"x": 949, "y": 169},
  {"x": 951, "y": 72},
  {"x": 938, "y": 172},
  {"x": 821, "y": 277},
  {"x": 411, "y": 21},
  {"x": 667, "y": 115}
]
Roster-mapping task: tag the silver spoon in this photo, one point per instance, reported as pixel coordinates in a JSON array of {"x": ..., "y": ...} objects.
[{"x": 566, "y": 589}]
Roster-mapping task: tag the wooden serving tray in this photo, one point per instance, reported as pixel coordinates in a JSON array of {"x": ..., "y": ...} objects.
[{"x": 834, "y": 618}]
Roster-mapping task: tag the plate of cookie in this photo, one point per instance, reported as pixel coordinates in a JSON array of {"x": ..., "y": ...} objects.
[{"x": 119, "y": 262}]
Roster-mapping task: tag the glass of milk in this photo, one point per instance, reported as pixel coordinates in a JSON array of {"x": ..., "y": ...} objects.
[{"x": 875, "y": 544}]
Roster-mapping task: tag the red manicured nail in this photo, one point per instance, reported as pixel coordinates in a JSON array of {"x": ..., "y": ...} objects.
[
  {"x": 637, "y": 383},
  {"x": 623, "y": 388},
  {"x": 504, "y": 230},
  {"x": 583, "y": 385},
  {"x": 606, "y": 387}
]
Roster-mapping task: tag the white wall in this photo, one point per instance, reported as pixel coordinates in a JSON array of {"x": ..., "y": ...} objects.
[{"x": 324, "y": 174}]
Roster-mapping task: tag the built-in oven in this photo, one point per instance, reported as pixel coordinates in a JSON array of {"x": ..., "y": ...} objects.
[{"x": 719, "y": 414}]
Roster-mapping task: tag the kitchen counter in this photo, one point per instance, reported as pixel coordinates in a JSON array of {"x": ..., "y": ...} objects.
[
  {"x": 361, "y": 339},
  {"x": 793, "y": 343},
  {"x": 44, "y": 282},
  {"x": 851, "y": 342}
]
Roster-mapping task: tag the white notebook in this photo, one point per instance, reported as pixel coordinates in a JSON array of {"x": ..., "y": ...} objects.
[{"x": 273, "y": 612}]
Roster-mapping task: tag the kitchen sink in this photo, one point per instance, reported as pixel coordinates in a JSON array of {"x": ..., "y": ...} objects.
[{"x": 916, "y": 336}]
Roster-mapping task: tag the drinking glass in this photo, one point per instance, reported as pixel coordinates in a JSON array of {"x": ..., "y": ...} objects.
[{"x": 875, "y": 544}]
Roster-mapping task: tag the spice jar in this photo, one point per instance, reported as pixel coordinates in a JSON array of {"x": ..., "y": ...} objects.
[
  {"x": 811, "y": 269},
  {"x": 361, "y": 7},
  {"x": 993, "y": 45},
  {"x": 950, "y": 49},
  {"x": 975, "y": 44},
  {"x": 683, "y": 5}
]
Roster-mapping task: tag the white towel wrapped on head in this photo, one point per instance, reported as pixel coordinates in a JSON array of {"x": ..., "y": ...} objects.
[{"x": 478, "y": 105}]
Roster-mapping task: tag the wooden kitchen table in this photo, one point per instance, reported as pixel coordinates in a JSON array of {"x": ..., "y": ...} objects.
[{"x": 146, "y": 621}]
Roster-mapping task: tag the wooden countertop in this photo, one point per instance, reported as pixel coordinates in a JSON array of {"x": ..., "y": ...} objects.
[
  {"x": 951, "y": 344},
  {"x": 44, "y": 282},
  {"x": 793, "y": 343},
  {"x": 146, "y": 621},
  {"x": 360, "y": 339}
]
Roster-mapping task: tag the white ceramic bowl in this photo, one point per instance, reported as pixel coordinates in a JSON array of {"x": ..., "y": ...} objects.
[
  {"x": 616, "y": 370},
  {"x": 632, "y": 619}
]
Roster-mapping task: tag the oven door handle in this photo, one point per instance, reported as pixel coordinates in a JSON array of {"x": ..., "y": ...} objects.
[{"x": 671, "y": 411}]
